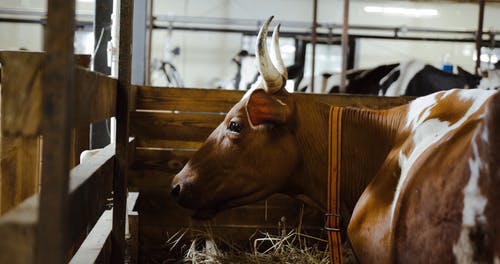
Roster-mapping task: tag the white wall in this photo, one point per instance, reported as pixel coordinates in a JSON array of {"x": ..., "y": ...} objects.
[
  {"x": 14, "y": 36},
  {"x": 198, "y": 62},
  {"x": 207, "y": 56}
]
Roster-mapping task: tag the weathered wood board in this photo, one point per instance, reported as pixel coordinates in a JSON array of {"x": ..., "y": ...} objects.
[
  {"x": 21, "y": 147},
  {"x": 90, "y": 186}
]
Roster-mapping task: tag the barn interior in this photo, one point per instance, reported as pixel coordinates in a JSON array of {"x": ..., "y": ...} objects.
[{"x": 149, "y": 105}]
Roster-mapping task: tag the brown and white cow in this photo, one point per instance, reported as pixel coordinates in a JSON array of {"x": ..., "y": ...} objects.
[{"x": 419, "y": 183}]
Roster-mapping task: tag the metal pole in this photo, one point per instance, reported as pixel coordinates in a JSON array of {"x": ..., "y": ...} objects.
[
  {"x": 149, "y": 41},
  {"x": 58, "y": 100},
  {"x": 139, "y": 39},
  {"x": 345, "y": 47},
  {"x": 99, "y": 136},
  {"x": 102, "y": 34},
  {"x": 313, "y": 42},
  {"x": 479, "y": 36}
]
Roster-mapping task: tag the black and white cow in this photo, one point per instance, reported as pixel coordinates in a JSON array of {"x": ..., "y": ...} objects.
[
  {"x": 414, "y": 78},
  {"x": 491, "y": 81},
  {"x": 365, "y": 81}
]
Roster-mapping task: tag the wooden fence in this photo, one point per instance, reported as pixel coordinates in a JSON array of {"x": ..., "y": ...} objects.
[
  {"x": 47, "y": 105},
  {"x": 90, "y": 183},
  {"x": 168, "y": 125}
]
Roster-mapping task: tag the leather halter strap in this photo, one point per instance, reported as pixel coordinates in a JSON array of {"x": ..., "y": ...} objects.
[{"x": 332, "y": 216}]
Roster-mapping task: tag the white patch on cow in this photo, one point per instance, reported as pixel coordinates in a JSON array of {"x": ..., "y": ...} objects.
[
  {"x": 407, "y": 70},
  {"x": 423, "y": 104},
  {"x": 485, "y": 136},
  {"x": 496, "y": 260},
  {"x": 492, "y": 82},
  {"x": 427, "y": 132},
  {"x": 473, "y": 211}
]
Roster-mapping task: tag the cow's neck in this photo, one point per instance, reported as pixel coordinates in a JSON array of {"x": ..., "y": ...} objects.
[{"x": 367, "y": 137}]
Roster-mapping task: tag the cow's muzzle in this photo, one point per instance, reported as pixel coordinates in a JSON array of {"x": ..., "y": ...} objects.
[{"x": 184, "y": 194}]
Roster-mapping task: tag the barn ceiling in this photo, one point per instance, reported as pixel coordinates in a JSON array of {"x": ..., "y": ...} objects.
[
  {"x": 443, "y": 1},
  {"x": 458, "y": 1}
]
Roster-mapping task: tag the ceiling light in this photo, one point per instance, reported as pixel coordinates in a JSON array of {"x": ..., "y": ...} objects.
[
  {"x": 412, "y": 12},
  {"x": 486, "y": 58}
]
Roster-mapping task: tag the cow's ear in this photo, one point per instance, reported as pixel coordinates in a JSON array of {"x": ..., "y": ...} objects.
[{"x": 263, "y": 108}]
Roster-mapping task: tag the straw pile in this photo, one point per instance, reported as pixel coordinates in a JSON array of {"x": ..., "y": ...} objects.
[{"x": 286, "y": 246}]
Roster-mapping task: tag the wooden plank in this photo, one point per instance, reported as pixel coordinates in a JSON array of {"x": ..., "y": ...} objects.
[
  {"x": 86, "y": 170},
  {"x": 125, "y": 102},
  {"x": 141, "y": 180},
  {"x": 18, "y": 229},
  {"x": 212, "y": 100},
  {"x": 96, "y": 97},
  {"x": 133, "y": 227},
  {"x": 162, "y": 125},
  {"x": 170, "y": 161},
  {"x": 90, "y": 188},
  {"x": 96, "y": 247},
  {"x": 93, "y": 249},
  {"x": 20, "y": 170},
  {"x": 27, "y": 161},
  {"x": 58, "y": 101},
  {"x": 174, "y": 144},
  {"x": 182, "y": 99},
  {"x": 22, "y": 93},
  {"x": 133, "y": 240},
  {"x": 79, "y": 143}
]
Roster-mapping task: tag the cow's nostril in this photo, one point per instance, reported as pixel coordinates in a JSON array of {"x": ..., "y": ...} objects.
[{"x": 176, "y": 189}]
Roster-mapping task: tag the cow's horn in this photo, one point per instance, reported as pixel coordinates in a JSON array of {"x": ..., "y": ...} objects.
[
  {"x": 273, "y": 81},
  {"x": 276, "y": 53}
]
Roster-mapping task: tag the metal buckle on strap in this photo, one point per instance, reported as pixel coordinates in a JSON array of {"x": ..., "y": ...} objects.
[{"x": 331, "y": 229}]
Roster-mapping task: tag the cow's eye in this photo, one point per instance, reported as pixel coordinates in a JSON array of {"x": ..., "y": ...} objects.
[{"x": 234, "y": 127}]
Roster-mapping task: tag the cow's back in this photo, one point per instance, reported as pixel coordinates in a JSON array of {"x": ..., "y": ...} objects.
[{"x": 444, "y": 207}]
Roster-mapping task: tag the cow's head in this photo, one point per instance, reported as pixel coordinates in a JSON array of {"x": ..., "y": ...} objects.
[{"x": 252, "y": 152}]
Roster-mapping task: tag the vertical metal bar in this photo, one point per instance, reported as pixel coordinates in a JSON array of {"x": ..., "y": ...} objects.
[
  {"x": 102, "y": 34},
  {"x": 149, "y": 41},
  {"x": 351, "y": 54},
  {"x": 99, "y": 136},
  {"x": 313, "y": 42},
  {"x": 122, "y": 131},
  {"x": 58, "y": 99},
  {"x": 345, "y": 47},
  {"x": 139, "y": 39},
  {"x": 479, "y": 36}
]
